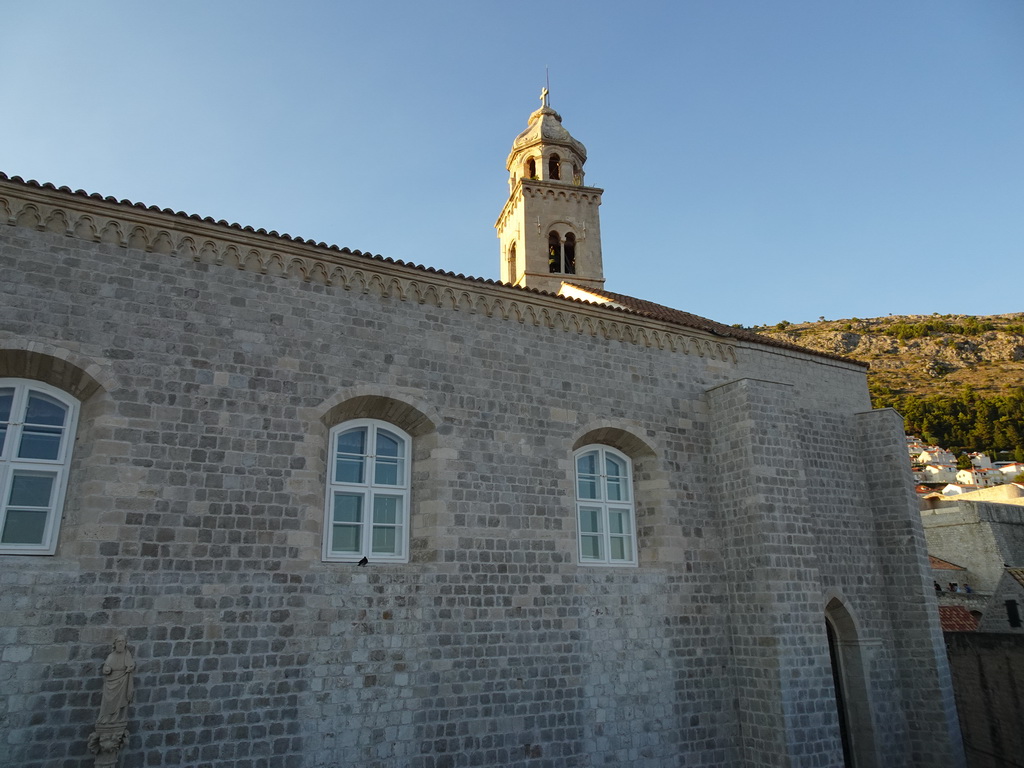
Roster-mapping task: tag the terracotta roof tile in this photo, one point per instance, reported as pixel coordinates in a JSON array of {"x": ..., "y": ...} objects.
[
  {"x": 943, "y": 565},
  {"x": 678, "y": 317},
  {"x": 956, "y": 618}
]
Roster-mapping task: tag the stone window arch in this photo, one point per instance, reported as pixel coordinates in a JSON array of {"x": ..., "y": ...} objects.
[
  {"x": 655, "y": 529},
  {"x": 512, "y": 263},
  {"x": 408, "y": 427},
  {"x": 555, "y": 167},
  {"x": 531, "y": 168},
  {"x": 86, "y": 383}
]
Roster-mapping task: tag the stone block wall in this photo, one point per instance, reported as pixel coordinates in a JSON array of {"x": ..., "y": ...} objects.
[
  {"x": 988, "y": 677},
  {"x": 981, "y": 536},
  {"x": 195, "y": 515}
]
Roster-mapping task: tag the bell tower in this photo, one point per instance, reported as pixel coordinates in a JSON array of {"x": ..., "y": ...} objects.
[{"x": 549, "y": 229}]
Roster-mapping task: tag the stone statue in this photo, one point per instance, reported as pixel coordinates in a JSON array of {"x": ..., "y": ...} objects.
[
  {"x": 119, "y": 686},
  {"x": 118, "y": 691}
]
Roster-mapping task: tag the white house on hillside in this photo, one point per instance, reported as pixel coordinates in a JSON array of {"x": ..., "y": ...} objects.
[
  {"x": 935, "y": 455},
  {"x": 981, "y": 460},
  {"x": 982, "y": 478}
]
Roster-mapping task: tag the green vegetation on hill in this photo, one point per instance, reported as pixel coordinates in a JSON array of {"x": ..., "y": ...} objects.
[
  {"x": 971, "y": 326},
  {"x": 963, "y": 422},
  {"x": 958, "y": 380}
]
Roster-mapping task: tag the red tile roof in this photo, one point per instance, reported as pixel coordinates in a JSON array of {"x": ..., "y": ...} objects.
[
  {"x": 944, "y": 565},
  {"x": 956, "y": 618},
  {"x": 678, "y": 317}
]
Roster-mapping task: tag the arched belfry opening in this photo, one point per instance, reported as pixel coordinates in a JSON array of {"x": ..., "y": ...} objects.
[
  {"x": 554, "y": 253},
  {"x": 550, "y": 214},
  {"x": 555, "y": 168},
  {"x": 512, "y": 273}
]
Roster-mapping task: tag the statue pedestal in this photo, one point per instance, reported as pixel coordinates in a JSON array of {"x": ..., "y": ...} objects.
[{"x": 106, "y": 742}]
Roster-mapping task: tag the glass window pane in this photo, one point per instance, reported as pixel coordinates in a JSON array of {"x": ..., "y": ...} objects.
[
  {"x": 619, "y": 522},
  {"x": 388, "y": 471},
  {"x": 348, "y": 469},
  {"x": 31, "y": 489},
  {"x": 614, "y": 486},
  {"x": 615, "y": 522},
  {"x": 590, "y": 547},
  {"x": 587, "y": 464},
  {"x": 348, "y": 508},
  {"x": 345, "y": 538},
  {"x": 613, "y": 467},
  {"x": 3, "y": 437},
  {"x": 24, "y": 526},
  {"x": 385, "y": 540},
  {"x": 40, "y": 443},
  {"x": 352, "y": 441},
  {"x": 389, "y": 444},
  {"x": 590, "y": 520},
  {"x": 586, "y": 487},
  {"x": 618, "y": 548},
  {"x": 43, "y": 409},
  {"x": 6, "y": 398},
  {"x": 624, "y": 489},
  {"x": 386, "y": 509}
]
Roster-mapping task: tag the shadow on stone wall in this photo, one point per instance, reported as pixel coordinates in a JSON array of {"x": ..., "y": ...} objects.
[{"x": 988, "y": 681}]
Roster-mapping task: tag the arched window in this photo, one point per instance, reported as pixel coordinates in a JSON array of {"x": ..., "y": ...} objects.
[
  {"x": 604, "y": 507},
  {"x": 531, "y": 169},
  {"x": 512, "y": 264},
  {"x": 554, "y": 252},
  {"x": 37, "y": 431},
  {"x": 367, "y": 509},
  {"x": 577, "y": 177},
  {"x": 570, "y": 254},
  {"x": 554, "y": 167}
]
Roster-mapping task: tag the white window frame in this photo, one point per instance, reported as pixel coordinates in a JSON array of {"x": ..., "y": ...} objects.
[
  {"x": 607, "y": 508},
  {"x": 367, "y": 491},
  {"x": 12, "y": 465}
]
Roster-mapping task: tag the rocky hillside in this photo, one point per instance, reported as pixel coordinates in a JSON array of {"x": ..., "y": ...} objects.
[{"x": 923, "y": 355}]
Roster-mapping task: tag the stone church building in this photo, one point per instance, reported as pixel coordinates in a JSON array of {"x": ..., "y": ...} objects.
[{"x": 350, "y": 511}]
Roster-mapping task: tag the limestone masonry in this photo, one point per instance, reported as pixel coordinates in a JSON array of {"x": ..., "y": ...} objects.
[{"x": 597, "y": 532}]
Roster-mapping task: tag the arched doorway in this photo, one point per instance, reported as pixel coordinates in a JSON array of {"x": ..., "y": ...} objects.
[
  {"x": 837, "y": 682},
  {"x": 850, "y": 676}
]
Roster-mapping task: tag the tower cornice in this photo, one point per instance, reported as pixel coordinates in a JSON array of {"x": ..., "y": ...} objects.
[{"x": 533, "y": 187}]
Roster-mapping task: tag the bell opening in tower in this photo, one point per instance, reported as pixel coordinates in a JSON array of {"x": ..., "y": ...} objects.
[{"x": 554, "y": 253}]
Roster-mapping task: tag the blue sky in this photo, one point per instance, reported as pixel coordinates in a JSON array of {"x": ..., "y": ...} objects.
[{"x": 761, "y": 161}]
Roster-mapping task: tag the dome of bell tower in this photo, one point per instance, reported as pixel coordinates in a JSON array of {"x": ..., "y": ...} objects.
[{"x": 545, "y": 127}]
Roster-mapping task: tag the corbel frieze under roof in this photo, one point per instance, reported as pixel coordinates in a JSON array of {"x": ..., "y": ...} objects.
[{"x": 173, "y": 234}]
